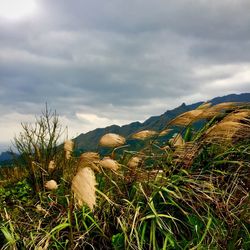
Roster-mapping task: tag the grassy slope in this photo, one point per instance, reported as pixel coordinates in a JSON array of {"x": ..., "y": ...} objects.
[{"x": 194, "y": 196}]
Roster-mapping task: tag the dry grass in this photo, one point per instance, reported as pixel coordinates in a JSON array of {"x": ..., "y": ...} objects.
[
  {"x": 227, "y": 131},
  {"x": 205, "y": 111},
  {"x": 234, "y": 126},
  {"x": 165, "y": 132},
  {"x": 187, "y": 118},
  {"x": 134, "y": 162},
  {"x": 186, "y": 153},
  {"x": 51, "y": 185},
  {"x": 109, "y": 163},
  {"x": 225, "y": 106},
  {"x": 89, "y": 159},
  {"x": 205, "y": 105},
  {"x": 12, "y": 174},
  {"x": 242, "y": 115},
  {"x": 189, "y": 194},
  {"x": 148, "y": 175},
  {"x": 177, "y": 140},
  {"x": 83, "y": 187},
  {"x": 219, "y": 109},
  {"x": 51, "y": 166},
  {"x": 144, "y": 134},
  {"x": 68, "y": 148},
  {"x": 112, "y": 140}
]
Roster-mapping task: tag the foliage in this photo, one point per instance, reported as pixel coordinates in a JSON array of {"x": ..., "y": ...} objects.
[
  {"x": 37, "y": 145},
  {"x": 189, "y": 196}
]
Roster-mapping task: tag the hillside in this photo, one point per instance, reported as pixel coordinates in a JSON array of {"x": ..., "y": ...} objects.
[
  {"x": 89, "y": 140},
  {"x": 189, "y": 192}
]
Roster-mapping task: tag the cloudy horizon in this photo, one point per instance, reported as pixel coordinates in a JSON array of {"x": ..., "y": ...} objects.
[{"x": 114, "y": 62}]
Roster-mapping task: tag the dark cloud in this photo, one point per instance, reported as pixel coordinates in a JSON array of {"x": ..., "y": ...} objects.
[{"x": 122, "y": 60}]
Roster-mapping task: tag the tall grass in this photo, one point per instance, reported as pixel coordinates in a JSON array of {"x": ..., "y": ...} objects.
[{"x": 189, "y": 192}]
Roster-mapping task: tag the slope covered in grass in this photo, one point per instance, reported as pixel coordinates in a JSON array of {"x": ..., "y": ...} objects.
[{"x": 188, "y": 192}]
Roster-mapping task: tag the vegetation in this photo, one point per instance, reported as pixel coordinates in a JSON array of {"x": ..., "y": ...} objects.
[{"x": 189, "y": 192}]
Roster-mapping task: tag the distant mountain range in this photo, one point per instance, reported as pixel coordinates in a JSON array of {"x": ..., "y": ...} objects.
[
  {"x": 89, "y": 141},
  {"x": 6, "y": 157}
]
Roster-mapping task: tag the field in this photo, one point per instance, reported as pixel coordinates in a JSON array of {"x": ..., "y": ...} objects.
[{"x": 190, "y": 191}]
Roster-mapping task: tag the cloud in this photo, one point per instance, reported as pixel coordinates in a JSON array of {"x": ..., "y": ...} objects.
[
  {"x": 9, "y": 126},
  {"x": 103, "y": 62}
]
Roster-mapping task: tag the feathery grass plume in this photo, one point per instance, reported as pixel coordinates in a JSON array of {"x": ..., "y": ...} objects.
[
  {"x": 90, "y": 159},
  {"x": 134, "y": 162},
  {"x": 233, "y": 127},
  {"x": 109, "y": 163},
  {"x": 185, "y": 154},
  {"x": 144, "y": 134},
  {"x": 83, "y": 187},
  {"x": 187, "y": 118},
  {"x": 165, "y": 132},
  {"x": 112, "y": 140},
  {"x": 218, "y": 109},
  {"x": 226, "y": 105},
  {"x": 68, "y": 148},
  {"x": 242, "y": 115},
  {"x": 202, "y": 112},
  {"x": 205, "y": 105},
  {"x": 208, "y": 114},
  {"x": 227, "y": 131},
  {"x": 51, "y": 185},
  {"x": 90, "y": 156},
  {"x": 52, "y": 165},
  {"x": 177, "y": 140}
]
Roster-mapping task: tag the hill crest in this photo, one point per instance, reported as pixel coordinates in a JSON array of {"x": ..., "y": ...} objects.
[{"x": 89, "y": 141}]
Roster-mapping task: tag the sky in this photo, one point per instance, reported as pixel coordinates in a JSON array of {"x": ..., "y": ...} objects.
[{"x": 103, "y": 62}]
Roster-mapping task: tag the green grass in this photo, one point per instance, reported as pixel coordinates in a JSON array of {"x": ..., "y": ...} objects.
[{"x": 189, "y": 202}]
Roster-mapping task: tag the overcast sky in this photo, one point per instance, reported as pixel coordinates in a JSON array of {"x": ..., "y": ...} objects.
[{"x": 115, "y": 61}]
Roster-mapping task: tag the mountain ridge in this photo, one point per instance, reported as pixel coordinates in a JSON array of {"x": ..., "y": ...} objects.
[{"x": 89, "y": 141}]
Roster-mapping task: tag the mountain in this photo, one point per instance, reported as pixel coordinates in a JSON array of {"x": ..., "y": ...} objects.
[
  {"x": 89, "y": 141},
  {"x": 6, "y": 158}
]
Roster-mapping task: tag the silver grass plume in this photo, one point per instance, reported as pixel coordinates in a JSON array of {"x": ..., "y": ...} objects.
[{"x": 83, "y": 187}]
